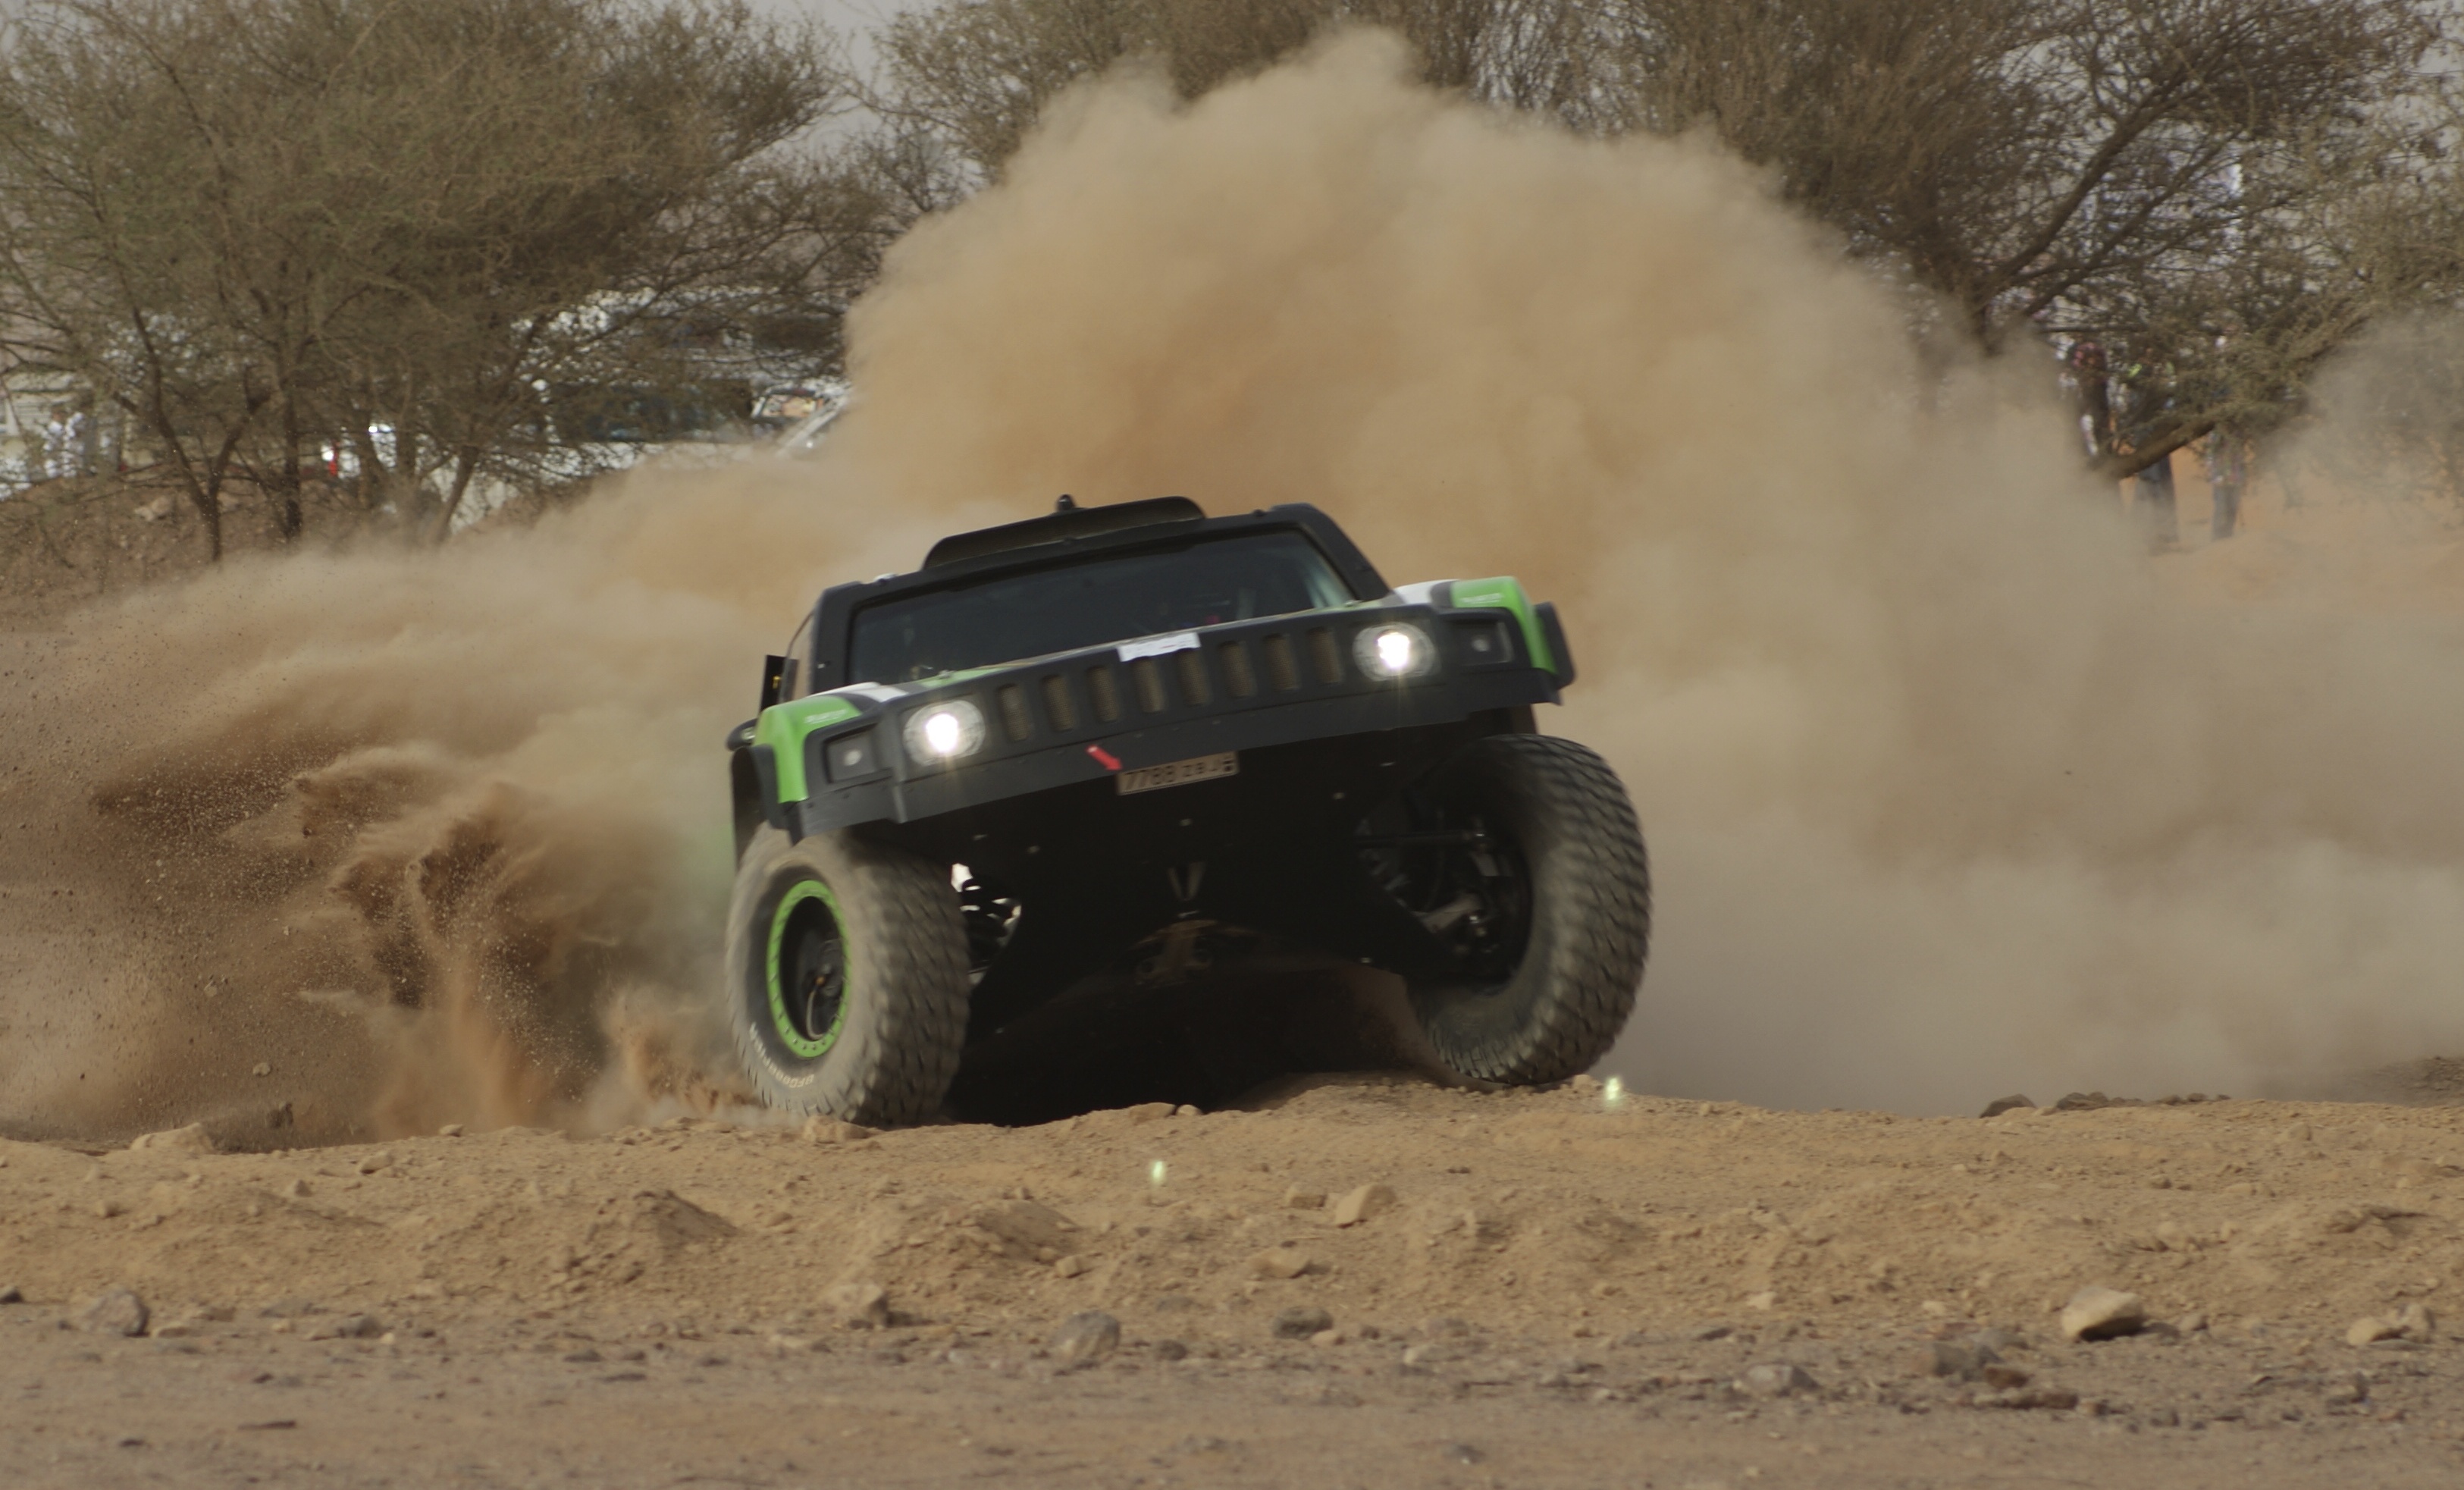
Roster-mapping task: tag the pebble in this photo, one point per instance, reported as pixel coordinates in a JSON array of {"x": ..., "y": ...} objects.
[
  {"x": 118, "y": 1311},
  {"x": 1958, "y": 1360},
  {"x": 1301, "y": 1321},
  {"x": 2415, "y": 1322},
  {"x": 450, "y": 1130},
  {"x": 1280, "y": 1262},
  {"x": 858, "y": 1305},
  {"x": 1172, "y": 1350},
  {"x": 350, "y": 1326},
  {"x": 377, "y": 1163},
  {"x": 1083, "y": 1338},
  {"x": 2099, "y": 1313},
  {"x": 1362, "y": 1204},
  {"x": 1299, "y": 1199},
  {"x": 189, "y": 1140},
  {"x": 2371, "y": 1329},
  {"x": 2002, "y": 1104},
  {"x": 12, "y": 1294},
  {"x": 1070, "y": 1266},
  {"x": 1776, "y": 1379}
]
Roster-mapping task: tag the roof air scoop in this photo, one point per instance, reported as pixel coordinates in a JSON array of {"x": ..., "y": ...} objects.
[{"x": 1067, "y": 521}]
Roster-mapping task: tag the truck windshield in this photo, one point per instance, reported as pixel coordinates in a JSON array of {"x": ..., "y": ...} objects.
[{"x": 1005, "y": 618}]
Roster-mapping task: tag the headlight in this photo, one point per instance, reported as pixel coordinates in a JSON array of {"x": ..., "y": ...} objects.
[
  {"x": 945, "y": 732},
  {"x": 1393, "y": 651}
]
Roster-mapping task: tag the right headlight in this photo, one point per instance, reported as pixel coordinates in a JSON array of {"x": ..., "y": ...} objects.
[
  {"x": 1395, "y": 651},
  {"x": 939, "y": 733}
]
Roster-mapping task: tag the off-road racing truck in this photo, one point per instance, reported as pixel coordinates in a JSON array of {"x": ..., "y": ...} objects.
[{"x": 1074, "y": 762}]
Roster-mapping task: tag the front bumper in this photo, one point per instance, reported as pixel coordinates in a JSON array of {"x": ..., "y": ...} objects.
[{"x": 1247, "y": 686}]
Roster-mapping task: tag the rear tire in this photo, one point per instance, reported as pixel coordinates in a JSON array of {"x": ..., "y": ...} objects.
[
  {"x": 846, "y": 977},
  {"x": 1566, "y": 827}
]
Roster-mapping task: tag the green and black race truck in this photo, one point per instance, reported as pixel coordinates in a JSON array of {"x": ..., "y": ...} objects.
[{"x": 1071, "y": 764}]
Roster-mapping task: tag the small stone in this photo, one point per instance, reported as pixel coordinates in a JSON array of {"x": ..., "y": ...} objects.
[
  {"x": 2192, "y": 1323},
  {"x": 1776, "y": 1379},
  {"x": 189, "y": 1140},
  {"x": 830, "y": 1131},
  {"x": 1299, "y": 1199},
  {"x": 107, "y": 1209},
  {"x": 1185, "y": 1110},
  {"x": 1280, "y": 1262},
  {"x": 2004, "y": 1378},
  {"x": 1301, "y": 1321},
  {"x": 1363, "y": 1204},
  {"x": 1329, "y": 1337},
  {"x": 12, "y": 1294},
  {"x": 1083, "y": 1338},
  {"x": 1172, "y": 1350},
  {"x": 1954, "y": 1359},
  {"x": 117, "y": 1311},
  {"x": 1070, "y": 1266},
  {"x": 2100, "y": 1313},
  {"x": 2365, "y": 1331},
  {"x": 858, "y": 1305},
  {"x": 1714, "y": 1332},
  {"x": 350, "y": 1326},
  {"x": 261, "y": 1069},
  {"x": 1765, "y": 1300},
  {"x": 377, "y": 1163},
  {"x": 1584, "y": 1085},
  {"x": 450, "y": 1130},
  {"x": 297, "y": 1188},
  {"x": 2415, "y": 1322},
  {"x": 2353, "y": 1388},
  {"x": 2002, "y": 1104}
]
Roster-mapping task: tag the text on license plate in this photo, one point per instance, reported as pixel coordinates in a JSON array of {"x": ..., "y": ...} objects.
[{"x": 1179, "y": 773}]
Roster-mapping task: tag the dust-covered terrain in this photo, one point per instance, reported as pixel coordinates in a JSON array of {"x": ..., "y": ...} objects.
[{"x": 1356, "y": 1283}]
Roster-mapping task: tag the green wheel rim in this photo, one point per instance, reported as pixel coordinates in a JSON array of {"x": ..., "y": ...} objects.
[{"x": 790, "y": 1033}]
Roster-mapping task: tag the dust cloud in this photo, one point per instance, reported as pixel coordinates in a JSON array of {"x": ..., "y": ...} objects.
[{"x": 1950, "y": 792}]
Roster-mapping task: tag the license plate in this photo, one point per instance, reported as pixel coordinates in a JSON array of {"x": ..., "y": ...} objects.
[{"x": 1179, "y": 773}]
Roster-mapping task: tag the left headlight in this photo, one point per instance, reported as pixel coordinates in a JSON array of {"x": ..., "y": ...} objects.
[
  {"x": 942, "y": 732},
  {"x": 1396, "y": 650}
]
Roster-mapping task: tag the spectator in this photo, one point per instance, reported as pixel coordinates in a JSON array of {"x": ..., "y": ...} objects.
[
  {"x": 2151, "y": 502},
  {"x": 2227, "y": 465}
]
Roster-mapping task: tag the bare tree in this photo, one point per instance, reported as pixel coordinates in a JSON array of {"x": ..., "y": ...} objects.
[
  {"x": 261, "y": 225},
  {"x": 979, "y": 72}
]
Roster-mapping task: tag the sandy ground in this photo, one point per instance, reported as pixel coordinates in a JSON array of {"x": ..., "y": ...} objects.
[{"x": 1563, "y": 1290}]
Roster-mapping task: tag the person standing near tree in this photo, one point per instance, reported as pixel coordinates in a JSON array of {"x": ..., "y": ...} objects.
[
  {"x": 59, "y": 444},
  {"x": 2227, "y": 466}
]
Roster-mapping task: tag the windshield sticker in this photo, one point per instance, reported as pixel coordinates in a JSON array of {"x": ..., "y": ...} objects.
[{"x": 1159, "y": 646}]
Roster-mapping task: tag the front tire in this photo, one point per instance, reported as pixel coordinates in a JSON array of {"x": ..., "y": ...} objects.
[
  {"x": 846, "y": 977},
  {"x": 1562, "y": 889}
]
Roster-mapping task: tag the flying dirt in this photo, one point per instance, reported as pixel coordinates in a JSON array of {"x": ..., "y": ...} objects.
[{"x": 1951, "y": 793}]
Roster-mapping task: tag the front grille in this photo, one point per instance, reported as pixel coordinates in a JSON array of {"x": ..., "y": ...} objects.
[
  {"x": 1251, "y": 666},
  {"x": 1015, "y": 723},
  {"x": 1146, "y": 679},
  {"x": 1056, "y": 704},
  {"x": 1323, "y": 658},
  {"x": 1283, "y": 672},
  {"x": 1239, "y": 678}
]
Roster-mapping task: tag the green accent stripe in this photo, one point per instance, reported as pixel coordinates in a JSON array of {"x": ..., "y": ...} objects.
[
  {"x": 797, "y": 895},
  {"x": 1506, "y": 593},
  {"x": 783, "y": 729}
]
